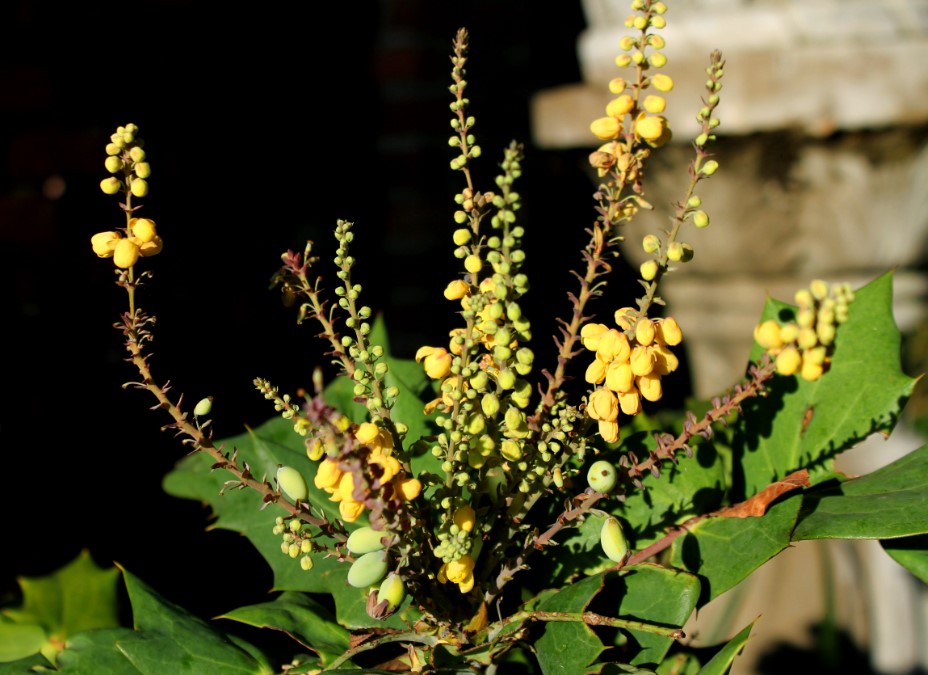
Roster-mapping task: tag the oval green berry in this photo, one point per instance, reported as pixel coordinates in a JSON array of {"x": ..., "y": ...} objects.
[
  {"x": 365, "y": 540},
  {"x": 612, "y": 539},
  {"x": 203, "y": 407},
  {"x": 602, "y": 476},
  {"x": 393, "y": 590},
  {"x": 292, "y": 483},
  {"x": 368, "y": 569}
]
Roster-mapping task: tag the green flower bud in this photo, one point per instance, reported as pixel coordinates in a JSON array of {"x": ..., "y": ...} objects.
[
  {"x": 137, "y": 154},
  {"x": 709, "y": 167},
  {"x": 306, "y": 563},
  {"x": 612, "y": 540},
  {"x": 506, "y": 379},
  {"x": 292, "y": 483},
  {"x": 368, "y": 569},
  {"x": 112, "y": 149},
  {"x": 365, "y": 540},
  {"x": 489, "y": 404},
  {"x": 393, "y": 590},
  {"x": 602, "y": 476},
  {"x": 203, "y": 407},
  {"x": 143, "y": 170},
  {"x": 674, "y": 253}
]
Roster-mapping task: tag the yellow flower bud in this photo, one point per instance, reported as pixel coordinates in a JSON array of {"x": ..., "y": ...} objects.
[
  {"x": 104, "y": 243},
  {"x": 616, "y": 85},
  {"x": 675, "y": 251},
  {"x": 113, "y": 164},
  {"x": 465, "y": 517},
  {"x": 658, "y": 21},
  {"x": 139, "y": 187},
  {"x": 630, "y": 402},
  {"x": 644, "y": 331},
  {"x": 623, "y": 60},
  {"x": 609, "y": 431},
  {"x": 650, "y": 387},
  {"x": 788, "y": 361},
  {"x": 473, "y": 263},
  {"x": 811, "y": 371},
  {"x": 591, "y": 333},
  {"x": 126, "y": 253},
  {"x": 642, "y": 361},
  {"x": 662, "y": 82},
  {"x": 655, "y": 104},
  {"x": 595, "y": 372},
  {"x": 603, "y": 406},
  {"x": 701, "y": 219},
  {"x": 658, "y": 60},
  {"x": 709, "y": 167},
  {"x": 461, "y": 236},
  {"x": 111, "y": 185},
  {"x": 650, "y": 243},
  {"x": 619, "y": 377},
  {"x": 620, "y": 106},
  {"x": 142, "y": 170},
  {"x": 665, "y": 361},
  {"x": 409, "y": 489},
  {"x": 606, "y": 128},
  {"x": 457, "y": 289},
  {"x": 648, "y": 270},
  {"x": 767, "y": 335},
  {"x": 328, "y": 475},
  {"x": 350, "y": 511},
  {"x": 808, "y": 338},
  {"x": 669, "y": 331}
]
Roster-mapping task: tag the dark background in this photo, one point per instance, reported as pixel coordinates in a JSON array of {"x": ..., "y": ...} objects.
[{"x": 262, "y": 127}]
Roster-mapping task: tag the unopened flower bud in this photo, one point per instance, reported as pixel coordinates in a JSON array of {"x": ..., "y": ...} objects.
[
  {"x": 675, "y": 251},
  {"x": 618, "y": 107},
  {"x": 648, "y": 270},
  {"x": 650, "y": 243},
  {"x": 655, "y": 104},
  {"x": 788, "y": 361},
  {"x": 606, "y": 128},
  {"x": 142, "y": 170},
  {"x": 143, "y": 228},
  {"x": 110, "y": 185},
  {"x": 701, "y": 219},
  {"x": 709, "y": 167},
  {"x": 203, "y": 407},
  {"x": 139, "y": 187},
  {"x": 662, "y": 82}
]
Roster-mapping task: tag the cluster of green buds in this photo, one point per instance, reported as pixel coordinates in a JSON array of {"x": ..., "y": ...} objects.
[
  {"x": 297, "y": 541},
  {"x": 805, "y": 345},
  {"x": 139, "y": 238}
]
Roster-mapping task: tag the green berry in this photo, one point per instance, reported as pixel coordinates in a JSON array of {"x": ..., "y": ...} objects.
[
  {"x": 602, "y": 476},
  {"x": 612, "y": 540},
  {"x": 292, "y": 483},
  {"x": 368, "y": 569},
  {"x": 365, "y": 540}
]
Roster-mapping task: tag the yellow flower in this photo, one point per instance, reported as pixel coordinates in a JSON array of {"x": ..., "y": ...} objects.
[
  {"x": 650, "y": 387},
  {"x": 390, "y": 465},
  {"x": 408, "y": 488},
  {"x": 613, "y": 346},
  {"x": 595, "y": 372},
  {"x": 457, "y": 289},
  {"x": 143, "y": 228},
  {"x": 460, "y": 572},
  {"x": 437, "y": 361},
  {"x": 327, "y": 475},
  {"x": 642, "y": 361},
  {"x": 350, "y": 510},
  {"x": 104, "y": 243},
  {"x": 669, "y": 331},
  {"x": 619, "y": 377}
]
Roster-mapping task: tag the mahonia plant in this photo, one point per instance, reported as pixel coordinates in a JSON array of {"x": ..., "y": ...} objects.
[{"x": 431, "y": 526}]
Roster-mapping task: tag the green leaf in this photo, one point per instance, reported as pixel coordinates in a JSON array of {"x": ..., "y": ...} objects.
[
  {"x": 167, "y": 639},
  {"x": 723, "y": 551},
  {"x": 302, "y": 618},
  {"x": 805, "y": 424},
  {"x": 655, "y": 595},
  {"x": 721, "y": 663},
  {"x": 568, "y": 648},
  {"x": 96, "y": 653},
  {"x": 680, "y": 663},
  {"x": 19, "y": 640},
  {"x": 28, "y": 665},
  {"x": 78, "y": 597},
  {"x": 911, "y": 553},
  {"x": 888, "y": 503}
]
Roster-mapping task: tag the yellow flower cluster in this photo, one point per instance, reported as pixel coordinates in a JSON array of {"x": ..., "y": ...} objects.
[
  {"x": 629, "y": 365},
  {"x": 341, "y": 484},
  {"x": 641, "y": 117},
  {"x": 804, "y": 346},
  {"x": 141, "y": 240}
]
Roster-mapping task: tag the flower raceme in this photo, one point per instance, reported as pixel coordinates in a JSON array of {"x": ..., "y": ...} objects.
[{"x": 629, "y": 364}]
